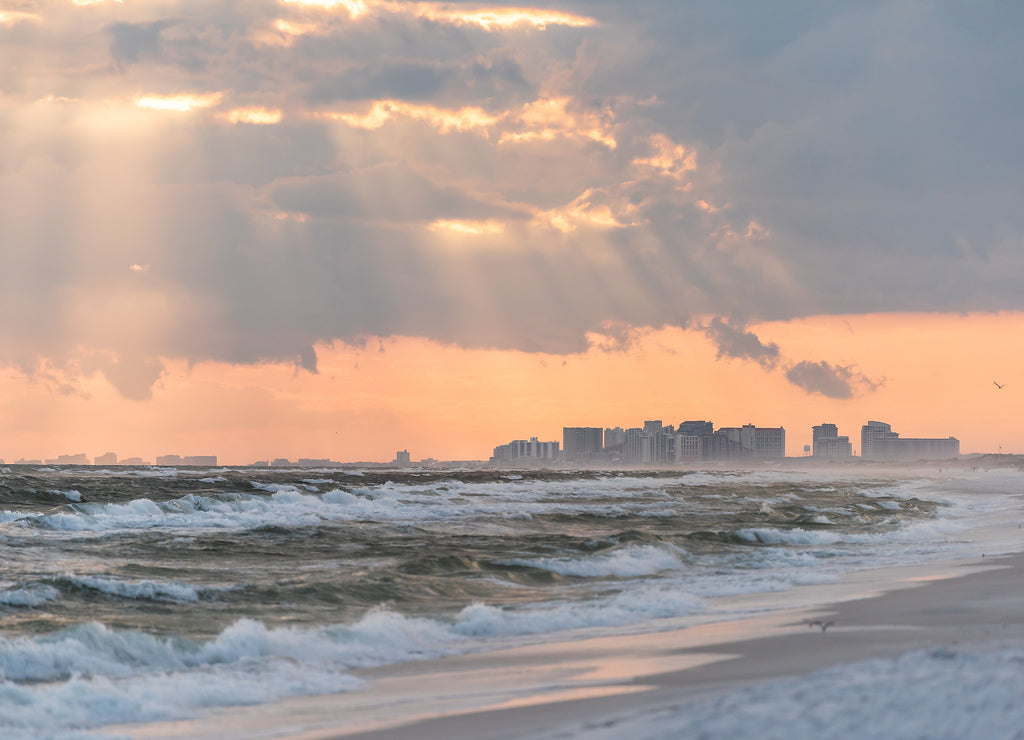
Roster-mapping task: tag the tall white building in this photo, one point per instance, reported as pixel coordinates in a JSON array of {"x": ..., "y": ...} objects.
[
  {"x": 826, "y": 442},
  {"x": 879, "y": 442},
  {"x": 526, "y": 451}
]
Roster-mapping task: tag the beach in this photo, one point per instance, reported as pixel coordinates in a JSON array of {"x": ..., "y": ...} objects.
[
  {"x": 244, "y": 604},
  {"x": 892, "y": 626}
]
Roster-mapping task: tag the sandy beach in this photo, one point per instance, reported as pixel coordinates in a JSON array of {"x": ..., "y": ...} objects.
[{"x": 638, "y": 685}]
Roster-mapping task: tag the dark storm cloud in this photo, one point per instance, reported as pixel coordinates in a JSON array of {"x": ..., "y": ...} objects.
[
  {"x": 734, "y": 341},
  {"x": 833, "y": 381},
  {"x": 133, "y": 42}
]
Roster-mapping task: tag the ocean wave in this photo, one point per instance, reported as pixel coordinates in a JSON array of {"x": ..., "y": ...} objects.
[
  {"x": 29, "y": 596},
  {"x": 795, "y": 536},
  {"x": 287, "y": 506},
  {"x": 628, "y": 562},
  {"x": 146, "y": 589},
  {"x": 89, "y": 676},
  {"x": 70, "y": 495},
  {"x": 646, "y": 602}
]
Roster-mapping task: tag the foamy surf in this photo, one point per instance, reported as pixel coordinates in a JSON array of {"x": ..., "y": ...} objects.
[{"x": 157, "y": 594}]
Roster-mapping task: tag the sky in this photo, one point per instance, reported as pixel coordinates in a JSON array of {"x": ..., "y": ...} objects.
[{"x": 339, "y": 228}]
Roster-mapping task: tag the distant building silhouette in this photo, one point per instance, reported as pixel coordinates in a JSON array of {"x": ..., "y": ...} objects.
[
  {"x": 757, "y": 442},
  {"x": 826, "y": 442},
  {"x": 879, "y": 442},
  {"x": 582, "y": 444},
  {"x": 78, "y": 459},
  {"x": 522, "y": 451},
  {"x": 196, "y": 460}
]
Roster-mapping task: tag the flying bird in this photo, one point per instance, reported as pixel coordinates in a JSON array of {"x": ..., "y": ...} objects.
[{"x": 1000, "y": 387}]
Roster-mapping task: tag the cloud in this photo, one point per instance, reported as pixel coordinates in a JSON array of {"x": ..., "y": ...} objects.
[
  {"x": 733, "y": 341},
  {"x": 833, "y": 381},
  {"x": 135, "y": 42},
  {"x": 492, "y": 181}
]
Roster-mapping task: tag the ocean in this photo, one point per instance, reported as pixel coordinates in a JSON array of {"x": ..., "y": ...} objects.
[{"x": 151, "y": 594}]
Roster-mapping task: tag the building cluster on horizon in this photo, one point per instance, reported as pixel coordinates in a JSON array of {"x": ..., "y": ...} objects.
[
  {"x": 652, "y": 444},
  {"x": 110, "y": 458},
  {"x": 698, "y": 441}
]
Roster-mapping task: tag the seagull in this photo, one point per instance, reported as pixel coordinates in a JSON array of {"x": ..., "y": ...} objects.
[
  {"x": 824, "y": 624},
  {"x": 1000, "y": 387}
]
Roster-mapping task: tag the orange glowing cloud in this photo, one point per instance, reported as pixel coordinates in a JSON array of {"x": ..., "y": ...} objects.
[
  {"x": 470, "y": 228},
  {"x": 668, "y": 157},
  {"x": 583, "y": 212},
  {"x": 182, "y": 103},
  {"x": 11, "y": 17},
  {"x": 254, "y": 115},
  {"x": 285, "y": 32},
  {"x": 445, "y": 121},
  {"x": 489, "y": 19},
  {"x": 494, "y": 19},
  {"x": 549, "y": 118},
  {"x": 543, "y": 120},
  {"x": 355, "y": 8}
]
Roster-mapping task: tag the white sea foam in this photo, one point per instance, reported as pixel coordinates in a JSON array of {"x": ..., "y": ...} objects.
[
  {"x": 91, "y": 675},
  {"x": 794, "y": 536},
  {"x": 70, "y": 495},
  {"x": 628, "y": 562}
]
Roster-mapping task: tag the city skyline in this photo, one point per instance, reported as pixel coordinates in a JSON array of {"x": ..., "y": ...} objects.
[
  {"x": 577, "y": 444},
  {"x": 310, "y": 228}
]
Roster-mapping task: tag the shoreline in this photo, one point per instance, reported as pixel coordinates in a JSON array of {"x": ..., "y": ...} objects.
[{"x": 583, "y": 683}]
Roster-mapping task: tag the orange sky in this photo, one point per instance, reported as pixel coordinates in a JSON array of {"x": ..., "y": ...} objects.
[
  {"x": 451, "y": 403},
  {"x": 339, "y": 228}
]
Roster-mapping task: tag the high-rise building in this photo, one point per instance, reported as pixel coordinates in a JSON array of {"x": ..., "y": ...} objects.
[
  {"x": 76, "y": 459},
  {"x": 638, "y": 447},
  {"x": 200, "y": 460},
  {"x": 580, "y": 444},
  {"x": 696, "y": 428},
  {"x": 526, "y": 451},
  {"x": 108, "y": 458},
  {"x": 826, "y": 442},
  {"x": 757, "y": 442},
  {"x": 614, "y": 439},
  {"x": 874, "y": 436},
  {"x": 879, "y": 442}
]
